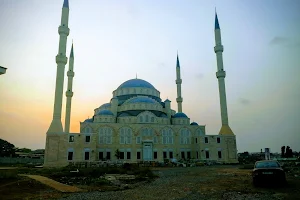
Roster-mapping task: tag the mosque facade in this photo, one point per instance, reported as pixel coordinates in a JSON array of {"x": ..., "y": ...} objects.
[{"x": 136, "y": 124}]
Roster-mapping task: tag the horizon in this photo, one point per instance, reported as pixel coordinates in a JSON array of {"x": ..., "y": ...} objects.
[{"x": 116, "y": 41}]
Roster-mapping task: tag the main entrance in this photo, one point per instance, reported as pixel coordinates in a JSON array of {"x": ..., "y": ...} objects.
[{"x": 147, "y": 151}]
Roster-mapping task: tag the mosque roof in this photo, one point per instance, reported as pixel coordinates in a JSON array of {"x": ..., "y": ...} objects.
[
  {"x": 164, "y": 115},
  {"x": 180, "y": 115},
  {"x": 141, "y": 99},
  {"x": 105, "y": 105},
  {"x": 194, "y": 124},
  {"x": 89, "y": 120},
  {"x": 105, "y": 112},
  {"x": 124, "y": 115},
  {"x": 136, "y": 83}
]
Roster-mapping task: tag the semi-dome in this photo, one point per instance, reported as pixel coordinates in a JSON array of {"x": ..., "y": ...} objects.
[
  {"x": 106, "y": 105},
  {"x": 124, "y": 115},
  {"x": 194, "y": 124},
  {"x": 180, "y": 115},
  {"x": 105, "y": 112},
  {"x": 141, "y": 99},
  {"x": 136, "y": 83}
]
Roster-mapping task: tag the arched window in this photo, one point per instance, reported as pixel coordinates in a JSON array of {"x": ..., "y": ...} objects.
[
  {"x": 199, "y": 132},
  {"x": 167, "y": 136},
  {"x": 147, "y": 133},
  {"x": 152, "y": 119},
  {"x": 141, "y": 119},
  {"x": 105, "y": 135},
  {"x": 147, "y": 118},
  {"x": 185, "y": 136},
  {"x": 125, "y": 135},
  {"x": 87, "y": 129}
]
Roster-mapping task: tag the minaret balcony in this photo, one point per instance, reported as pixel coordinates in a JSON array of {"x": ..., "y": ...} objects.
[
  {"x": 178, "y": 81},
  {"x": 179, "y": 99},
  {"x": 219, "y": 48},
  {"x": 220, "y": 74},
  {"x": 61, "y": 59},
  {"x": 63, "y": 30},
  {"x": 70, "y": 73},
  {"x": 69, "y": 93}
]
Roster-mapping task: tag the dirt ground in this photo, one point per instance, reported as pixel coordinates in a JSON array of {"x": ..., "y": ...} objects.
[
  {"x": 209, "y": 182},
  {"x": 26, "y": 188}
]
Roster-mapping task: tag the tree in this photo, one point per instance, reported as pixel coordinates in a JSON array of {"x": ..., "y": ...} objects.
[
  {"x": 6, "y": 149},
  {"x": 24, "y": 150},
  {"x": 282, "y": 151},
  {"x": 288, "y": 152},
  {"x": 117, "y": 154}
]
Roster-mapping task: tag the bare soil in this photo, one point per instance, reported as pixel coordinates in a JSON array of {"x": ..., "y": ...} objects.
[
  {"x": 206, "y": 182},
  {"x": 25, "y": 188}
]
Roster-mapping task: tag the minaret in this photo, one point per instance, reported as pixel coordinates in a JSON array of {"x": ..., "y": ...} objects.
[
  {"x": 69, "y": 92},
  {"x": 225, "y": 129},
  {"x": 61, "y": 60},
  {"x": 178, "y": 83}
]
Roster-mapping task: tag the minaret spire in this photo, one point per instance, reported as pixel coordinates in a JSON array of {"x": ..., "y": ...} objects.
[
  {"x": 178, "y": 83},
  {"x": 69, "y": 92},
  {"x": 217, "y": 25},
  {"x": 61, "y": 60},
  {"x": 225, "y": 129}
]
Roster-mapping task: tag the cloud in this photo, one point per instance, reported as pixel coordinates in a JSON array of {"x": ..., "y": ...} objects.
[
  {"x": 284, "y": 41},
  {"x": 244, "y": 101}
]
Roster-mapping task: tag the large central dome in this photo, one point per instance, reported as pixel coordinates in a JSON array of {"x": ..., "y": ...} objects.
[{"x": 136, "y": 83}]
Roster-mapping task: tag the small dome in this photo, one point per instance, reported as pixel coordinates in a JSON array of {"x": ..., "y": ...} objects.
[
  {"x": 167, "y": 100},
  {"x": 136, "y": 83},
  {"x": 180, "y": 115},
  {"x": 141, "y": 99},
  {"x": 194, "y": 124},
  {"x": 89, "y": 120},
  {"x": 106, "y": 105},
  {"x": 105, "y": 112}
]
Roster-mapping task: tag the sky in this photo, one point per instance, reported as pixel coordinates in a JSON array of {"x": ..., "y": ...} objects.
[{"x": 116, "y": 40}]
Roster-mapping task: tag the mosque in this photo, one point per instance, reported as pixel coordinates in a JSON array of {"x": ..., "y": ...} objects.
[{"x": 136, "y": 124}]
